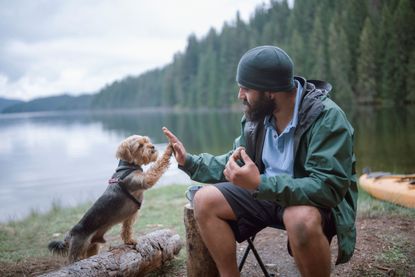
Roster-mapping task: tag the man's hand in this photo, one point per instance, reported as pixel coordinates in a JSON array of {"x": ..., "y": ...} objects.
[
  {"x": 246, "y": 176},
  {"x": 179, "y": 150}
]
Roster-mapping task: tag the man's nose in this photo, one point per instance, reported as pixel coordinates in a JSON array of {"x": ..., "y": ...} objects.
[{"x": 241, "y": 94}]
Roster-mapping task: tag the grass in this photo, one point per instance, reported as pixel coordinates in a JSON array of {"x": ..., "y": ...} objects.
[
  {"x": 396, "y": 256},
  {"x": 367, "y": 206},
  {"x": 162, "y": 208}
]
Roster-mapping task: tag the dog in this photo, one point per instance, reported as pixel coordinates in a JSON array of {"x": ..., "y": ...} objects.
[{"x": 119, "y": 203}]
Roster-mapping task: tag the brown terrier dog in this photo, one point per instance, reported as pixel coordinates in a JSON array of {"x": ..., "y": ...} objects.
[{"x": 120, "y": 201}]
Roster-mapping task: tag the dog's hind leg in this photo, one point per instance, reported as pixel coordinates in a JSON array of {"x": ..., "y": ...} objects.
[
  {"x": 93, "y": 249},
  {"x": 127, "y": 229},
  {"x": 78, "y": 247}
]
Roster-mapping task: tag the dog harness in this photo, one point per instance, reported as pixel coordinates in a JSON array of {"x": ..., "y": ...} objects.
[{"x": 123, "y": 170}]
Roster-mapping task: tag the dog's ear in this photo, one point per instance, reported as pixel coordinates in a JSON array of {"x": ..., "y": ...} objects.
[
  {"x": 136, "y": 145},
  {"x": 124, "y": 152}
]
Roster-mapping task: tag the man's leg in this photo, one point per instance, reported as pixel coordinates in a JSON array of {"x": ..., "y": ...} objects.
[
  {"x": 309, "y": 245},
  {"x": 211, "y": 212}
]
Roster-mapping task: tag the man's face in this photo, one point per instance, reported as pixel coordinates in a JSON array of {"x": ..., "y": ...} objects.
[{"x": 257, "y": 104}]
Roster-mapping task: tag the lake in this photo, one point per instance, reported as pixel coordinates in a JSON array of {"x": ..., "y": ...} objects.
[{"x": 67, "y": 158}]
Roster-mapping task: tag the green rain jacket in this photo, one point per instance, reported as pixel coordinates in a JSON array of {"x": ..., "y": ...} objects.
[{"x": 324, "y": 166}]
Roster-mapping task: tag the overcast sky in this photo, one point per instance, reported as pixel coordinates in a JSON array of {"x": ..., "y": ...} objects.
[{"x": 48, "y": 47}]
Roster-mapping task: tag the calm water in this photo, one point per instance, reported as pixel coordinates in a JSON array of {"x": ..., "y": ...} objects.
[{"x": 68, "y": 158}]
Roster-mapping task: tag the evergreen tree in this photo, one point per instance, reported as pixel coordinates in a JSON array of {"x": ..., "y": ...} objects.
[
  {"x": 388, "y": 65},
  {"x": 275, "y": 30},
  {"x": 317, "y": 59},
  {"x": 366, "y": 66},
  {"x": 340, "y": 63},
  {"x": 257, "y": 25},
  {"x": 206, "y": 82},
  {"x": 382, "y": 39},
  {"x": 410, "y": 79},
  {"x": 189, "y": 69},
  {"x": 353, "y": 18},
  {"x": 298, "y": 53},
  {"x": 235, "y": 40},
  {"x": 178, "y": 87},
  {"x": 343, "y": 48},
  {"x": 168, "y": 92},
  {"x": 404, "y": 29},
  {"x": 303, "y": 14}
]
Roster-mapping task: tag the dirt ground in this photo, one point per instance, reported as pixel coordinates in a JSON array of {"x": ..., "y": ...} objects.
[
  {"x": 394, "y": 237},
  {"x": 385, "y": 247}
]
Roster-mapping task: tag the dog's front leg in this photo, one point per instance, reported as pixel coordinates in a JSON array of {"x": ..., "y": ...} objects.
[
  {"x": 145, "y": 180},
  {"x": 127, "y": 229},
  {"x": 158, "y": 168}
]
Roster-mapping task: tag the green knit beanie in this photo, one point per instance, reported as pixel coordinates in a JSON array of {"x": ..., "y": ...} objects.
[{"x": 266, "y": 68}]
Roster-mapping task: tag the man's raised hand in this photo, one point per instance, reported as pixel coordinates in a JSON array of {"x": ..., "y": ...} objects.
[{"x": 179, "y": 150}]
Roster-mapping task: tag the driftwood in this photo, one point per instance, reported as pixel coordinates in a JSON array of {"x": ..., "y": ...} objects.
[
  {"x": 199, "y": 261},
  {"x": 151, "y": 251}
]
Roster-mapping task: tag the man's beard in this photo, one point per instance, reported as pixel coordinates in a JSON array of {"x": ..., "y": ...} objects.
[{"x": 257, "y": 110}]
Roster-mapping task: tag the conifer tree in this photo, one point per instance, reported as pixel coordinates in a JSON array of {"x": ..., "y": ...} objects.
[
  {"x": 353, "y": 18},
  {"x": 317, "y": 59},
  {"x": 410, "y": 79},
  {"x": 189, "y": 69},
  {"x": 389, "y": 39},
  {"x": 366, "y": 66},
  {"x": 383, "y": 33},
  {"x": 340, "y": 63},
  {"x": 365, "y": 48},
  {"x": 297, "y": 53},
  {"x": 404, "y": 29}
]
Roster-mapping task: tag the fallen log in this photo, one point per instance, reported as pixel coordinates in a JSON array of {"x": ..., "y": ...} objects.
[{"x": 150, "y": 252}]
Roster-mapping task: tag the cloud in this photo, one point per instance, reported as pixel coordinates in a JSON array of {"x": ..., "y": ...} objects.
[{"x": 50, "y": 47}]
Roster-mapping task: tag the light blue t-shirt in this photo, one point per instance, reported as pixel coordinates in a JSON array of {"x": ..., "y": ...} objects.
[{"x": 278, "y": 151}]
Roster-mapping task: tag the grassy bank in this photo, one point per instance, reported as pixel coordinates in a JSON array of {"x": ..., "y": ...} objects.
[
  {"x": 163, "y": 208},
  {"x": 368, "y": 206}
]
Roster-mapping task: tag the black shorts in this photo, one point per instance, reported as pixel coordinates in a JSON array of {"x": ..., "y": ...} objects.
[{"x": 253, "y": 215}]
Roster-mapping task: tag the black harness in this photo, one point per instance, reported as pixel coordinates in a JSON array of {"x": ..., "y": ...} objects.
[{"x": 123, "y": 170}]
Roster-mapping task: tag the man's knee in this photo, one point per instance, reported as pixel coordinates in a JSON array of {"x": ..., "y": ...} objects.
[
  {"x": 203, "y": 200},
  {"x": 303, "y": 224},
  {"x": 209, "y": 201}
]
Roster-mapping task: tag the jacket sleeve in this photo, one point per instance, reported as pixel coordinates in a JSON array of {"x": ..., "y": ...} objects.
[
  {"x": 207, "y": 168},
  {"x": 328, "y": 166}
]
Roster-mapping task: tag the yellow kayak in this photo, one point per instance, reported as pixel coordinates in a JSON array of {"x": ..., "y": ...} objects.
[{"x": 398, "y": 189}]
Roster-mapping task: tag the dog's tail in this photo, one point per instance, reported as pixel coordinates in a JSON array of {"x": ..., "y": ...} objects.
[{"x": 59, "y": 247}]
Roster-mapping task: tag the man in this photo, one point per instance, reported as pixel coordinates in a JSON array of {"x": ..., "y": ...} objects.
[{"x": 291, "y": 168}]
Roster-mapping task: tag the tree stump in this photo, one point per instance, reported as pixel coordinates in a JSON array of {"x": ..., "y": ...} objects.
[
  {"x": 199, "y": 262},
  {"x": 150, "y": 252}
]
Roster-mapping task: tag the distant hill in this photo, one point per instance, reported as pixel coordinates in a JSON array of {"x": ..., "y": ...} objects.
[
  {"x": 4, "y": 103},
  {"x": 53, "y": 103}
]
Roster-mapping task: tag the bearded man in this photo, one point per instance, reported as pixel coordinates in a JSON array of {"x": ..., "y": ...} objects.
[{"x": 292, "y": 167}]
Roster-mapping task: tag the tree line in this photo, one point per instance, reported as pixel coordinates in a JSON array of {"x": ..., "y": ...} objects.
[{"x": 365, "y": 48}]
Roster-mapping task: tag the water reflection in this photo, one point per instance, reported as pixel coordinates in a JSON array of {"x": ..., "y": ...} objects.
[
  {"x": 385, "y": 138},
  {"x": 200, "y": 131},
  {"x": 68, "y": 157}
]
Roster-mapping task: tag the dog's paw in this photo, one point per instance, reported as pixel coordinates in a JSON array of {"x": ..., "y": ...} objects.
[
  {"x": 169, "y": 150},
  {"x": 130, "y": 242}
]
